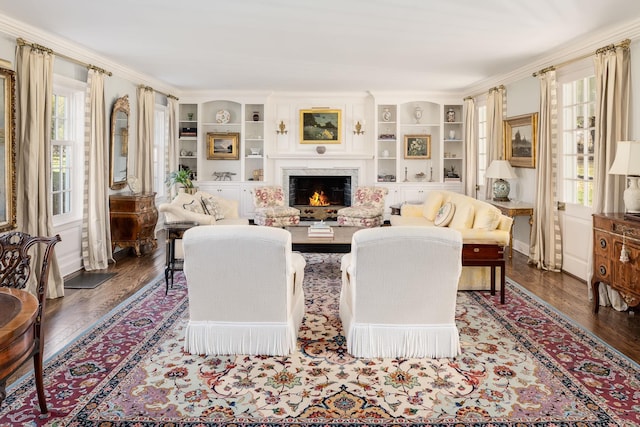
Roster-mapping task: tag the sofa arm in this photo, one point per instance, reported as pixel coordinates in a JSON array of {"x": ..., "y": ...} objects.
[
  {"x": 408, "y": 209},
  {"x": 174, "y": 213}
]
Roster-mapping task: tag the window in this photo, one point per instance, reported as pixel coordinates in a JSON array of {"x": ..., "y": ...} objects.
[
  {"x": 482, "y": 144},
  {"x": 578, "y": 103},
  {"x": 66, "y": 150},
  {"x": 160, "y": 136}
]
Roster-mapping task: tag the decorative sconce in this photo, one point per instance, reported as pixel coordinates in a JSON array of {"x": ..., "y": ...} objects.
[
  {"x": 282, "y": 128},
  {"x": 358, "y": 128}
]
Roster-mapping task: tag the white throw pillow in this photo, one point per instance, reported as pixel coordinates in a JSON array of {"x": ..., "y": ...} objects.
[
  {"x": 212, "y": 207},
  {"x": 193, "y": 206},
  {"x": 445, "y": 214},
  {"x": 487, "y": 219},
  {"x": 432, "y": 204},
  {"x": 463, "y": 217}
]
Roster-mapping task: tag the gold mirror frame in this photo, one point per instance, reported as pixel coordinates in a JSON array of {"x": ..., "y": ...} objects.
[
  {"x": 119, "y": 143},
  {"x": 8, "y": 150}
]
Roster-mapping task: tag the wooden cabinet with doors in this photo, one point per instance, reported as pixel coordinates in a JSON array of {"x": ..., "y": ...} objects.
[{"x": 611, "y": 265}]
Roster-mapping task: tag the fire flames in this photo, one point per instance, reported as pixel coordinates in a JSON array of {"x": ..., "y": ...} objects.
[{"x": 319, "y": 199}]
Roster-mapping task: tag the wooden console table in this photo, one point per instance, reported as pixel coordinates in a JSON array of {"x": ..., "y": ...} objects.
[
  {"x": 513, "y": 209},
  {"x": 610, "y": 231},
  {"x": 133, "y": 220}
]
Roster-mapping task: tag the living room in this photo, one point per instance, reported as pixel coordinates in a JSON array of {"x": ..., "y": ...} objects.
[{"x": 281, "y": 152}]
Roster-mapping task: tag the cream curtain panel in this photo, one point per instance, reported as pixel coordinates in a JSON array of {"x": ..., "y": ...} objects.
[
  {"x": 172, "y": 145},
  {"x": 96, "y": 230},
  {"x": 546, "y": 240},
  {"x": 471, "y": 148},
  {"x": 613, "y": 83},
  {"x": 495, "y": 139},
  {"x": 34, "y": 74},
  {"x": 144, "y": 146}
]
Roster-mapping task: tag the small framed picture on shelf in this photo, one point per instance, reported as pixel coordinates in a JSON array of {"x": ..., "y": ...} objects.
[
  {"x": 320, "y": 126},
  {"x": 521, "y": 140},
  {"x": 417, "y": 146},
  {"x": 223, "y": 146}
]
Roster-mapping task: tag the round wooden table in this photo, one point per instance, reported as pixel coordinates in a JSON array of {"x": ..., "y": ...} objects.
[{"x": 18, "y": 311}]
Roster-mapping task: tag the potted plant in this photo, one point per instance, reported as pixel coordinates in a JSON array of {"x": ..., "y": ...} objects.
[{"x": 183, "y": 178}]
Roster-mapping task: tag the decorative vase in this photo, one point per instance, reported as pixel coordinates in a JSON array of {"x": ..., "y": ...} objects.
[
  {"x": 417, "y": 113},
  {"x": 452, "y": 134},
  {"x": 189, "y": 116},
  {"x": 256, "y": 116},
  {"x": 320, "y": 149},
  {"x": 451, "y": 115},
  {"x": 386, "y": 114}
]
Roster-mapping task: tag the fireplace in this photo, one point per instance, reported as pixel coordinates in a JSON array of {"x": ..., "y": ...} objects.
[{"x": 319, "y": 193}]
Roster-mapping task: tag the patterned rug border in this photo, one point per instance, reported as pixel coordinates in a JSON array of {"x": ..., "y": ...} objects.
[{"x": 488, "y": 303}]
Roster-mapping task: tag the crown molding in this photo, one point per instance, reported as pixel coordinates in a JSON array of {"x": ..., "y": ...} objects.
[
  {"x": 575, "y": 49},
  {"x": 31, "y": 34}
]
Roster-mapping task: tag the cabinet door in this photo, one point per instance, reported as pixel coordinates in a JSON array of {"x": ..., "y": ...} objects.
[
  {"x": 414, "y": 194},
  {"x": 247, "y": 209},
  {"x": 602, "y": 249},
  {"x": 627, "y": 274}
]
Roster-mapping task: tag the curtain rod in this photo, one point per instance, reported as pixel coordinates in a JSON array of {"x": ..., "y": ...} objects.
[
  {"x": 624, "y": 44},
  {"x": 23, "y": 42},
  {"x": 161, "y": 93}
]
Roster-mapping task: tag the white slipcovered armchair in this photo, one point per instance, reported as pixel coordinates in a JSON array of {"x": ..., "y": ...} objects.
[
  {"x": 245, "y": 290},
  {"x": 398, "y": 295}
]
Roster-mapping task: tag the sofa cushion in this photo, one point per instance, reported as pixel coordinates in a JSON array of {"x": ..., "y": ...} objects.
[
  {"x": 463, "y": 216},
  {"x": 487, "y": 219},
  {"x": 193, "y": 206},
  {"x": 445, "y": 214},
  {"x": 212, "y": 207},
  {"x": 432, "y": 204}
]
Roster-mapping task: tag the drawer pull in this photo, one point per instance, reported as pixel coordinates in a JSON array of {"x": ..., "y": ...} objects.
[
  {"x": 603, "y": 243},
  {"x": 603, "y": 270},
  {"x": 476, "y": 250}
]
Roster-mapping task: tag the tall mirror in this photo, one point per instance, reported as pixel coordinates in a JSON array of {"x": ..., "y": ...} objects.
[
  {"x": 7, "y": 150},
  {"x": 119, "y": 143}
]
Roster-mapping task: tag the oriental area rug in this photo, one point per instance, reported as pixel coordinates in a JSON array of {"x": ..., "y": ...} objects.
[{"x": 522, "y": 364}]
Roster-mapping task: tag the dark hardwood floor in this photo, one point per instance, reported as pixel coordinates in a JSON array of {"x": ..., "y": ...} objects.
[{"x": 69, "y": 316}]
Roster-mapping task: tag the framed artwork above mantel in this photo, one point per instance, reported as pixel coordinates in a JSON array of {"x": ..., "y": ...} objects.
[{"x": 320, "y": 126}]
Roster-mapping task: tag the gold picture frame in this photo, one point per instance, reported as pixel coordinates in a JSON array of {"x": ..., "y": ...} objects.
[
  {"x": 320, "y": 126},
  {"x": 521, "y": 140},
  {"x": 223, "y": 146},
  {"x": 417, "y": 146}
]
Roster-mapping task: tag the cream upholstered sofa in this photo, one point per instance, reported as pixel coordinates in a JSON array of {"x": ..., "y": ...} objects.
[
  {"x": 203, "y": 208},
  {"x": 245, "y": 290},
  {"x": 477, "y": 221},
  {"x": 398, "y": 296}
]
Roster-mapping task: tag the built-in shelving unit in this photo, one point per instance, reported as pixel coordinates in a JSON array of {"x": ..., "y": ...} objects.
[{"x": 188, "y": 138}]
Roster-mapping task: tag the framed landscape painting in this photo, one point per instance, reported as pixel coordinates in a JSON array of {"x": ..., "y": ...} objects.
[
  {"x": 320, "y": 126},
  {"x": 223, "y": 146},
  {"x": 521, "y": 140},
  {"x": 417, "y": 146}
]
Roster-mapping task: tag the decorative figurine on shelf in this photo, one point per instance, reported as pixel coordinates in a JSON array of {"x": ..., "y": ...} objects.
[
  {"x": 451, "y": 115},
  {"x": 256, "y": 116},
  {"x": 223, "y": 176},
  {"x": 386, "y": 114}
]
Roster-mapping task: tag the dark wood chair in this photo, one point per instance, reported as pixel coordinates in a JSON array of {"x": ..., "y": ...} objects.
[{"x": 16, "y": 266}]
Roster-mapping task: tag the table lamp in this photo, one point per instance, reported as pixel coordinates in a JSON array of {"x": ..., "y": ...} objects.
[
  {"x": 627, "y": 162},
  {"x": 500, "y": 170}
]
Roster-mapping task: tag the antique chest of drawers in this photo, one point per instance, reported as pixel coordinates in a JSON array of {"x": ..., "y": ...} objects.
[{"x": 133, "y": 220}]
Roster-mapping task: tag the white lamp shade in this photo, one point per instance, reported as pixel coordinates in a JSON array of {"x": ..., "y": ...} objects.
[
  {"x": 627, "y": 161},
  {"x": 500, "y": 169}
]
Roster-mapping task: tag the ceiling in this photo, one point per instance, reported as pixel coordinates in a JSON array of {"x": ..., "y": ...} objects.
[{"x": 328, "y": 45}]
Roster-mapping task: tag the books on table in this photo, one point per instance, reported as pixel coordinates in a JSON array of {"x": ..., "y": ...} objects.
[{"x": 320, "y": 229}]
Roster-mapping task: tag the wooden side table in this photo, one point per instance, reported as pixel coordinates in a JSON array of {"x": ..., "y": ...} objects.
[
  {"x": 513, "y": 209},
  {"x": 481, "y": 255},
  {"x": 174, "y": 230}
]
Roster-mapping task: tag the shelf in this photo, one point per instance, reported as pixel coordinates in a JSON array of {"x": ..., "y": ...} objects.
[{"x": 221, "y": 124}]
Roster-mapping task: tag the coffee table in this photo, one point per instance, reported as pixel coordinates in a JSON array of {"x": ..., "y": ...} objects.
[{"x": 339, "y": 243}]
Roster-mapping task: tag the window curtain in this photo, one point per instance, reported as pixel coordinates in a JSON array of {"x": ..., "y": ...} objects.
[
  {"x": 34, "y": 75},
  {"x": 495, "y": 140},
  {"x": 96, "y": 228},
  {"x": 546, "y": 240},
  {"x": 144, "y": 147},
  {"x": 172, "y": 140},
  {"x": 613, "y": 82},
  {"x": 471, "y": 148}
]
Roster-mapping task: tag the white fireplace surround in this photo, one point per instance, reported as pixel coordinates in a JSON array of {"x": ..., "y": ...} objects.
[{"x": 288, "y": 172}]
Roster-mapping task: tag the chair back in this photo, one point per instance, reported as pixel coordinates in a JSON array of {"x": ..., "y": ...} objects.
[
  {"x": 269, "y": 196},
  {"x": 17, "y": 263},
  {"x": 238, "y": 273},
  {"x": 370, "y": 196},
  {"x": 406, "y": 275}
]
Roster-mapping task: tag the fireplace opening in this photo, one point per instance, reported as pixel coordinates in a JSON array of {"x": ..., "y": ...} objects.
[{"x": 319, "y": 197}]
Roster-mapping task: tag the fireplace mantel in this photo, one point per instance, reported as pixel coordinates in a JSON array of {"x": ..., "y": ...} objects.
[{"x": 315, "y": 156}]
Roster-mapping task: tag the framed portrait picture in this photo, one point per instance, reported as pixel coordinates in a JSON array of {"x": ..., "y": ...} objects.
[
  {"x": 521, "y": 140},
  {"x": 320, "y": 126},
  {"x": 417, "y": 146},
  {"x": 223, "y": 146}
]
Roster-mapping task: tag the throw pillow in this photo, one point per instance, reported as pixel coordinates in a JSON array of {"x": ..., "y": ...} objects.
[
  {"x": 212, "y": 207},
  {"x": 431, "y": 205},
  {"x": 445, "y": 214},
  {"x": 193, "y": 206},
  {"x": 463, "y": 217},
  {"x": 487, "y": 219}
]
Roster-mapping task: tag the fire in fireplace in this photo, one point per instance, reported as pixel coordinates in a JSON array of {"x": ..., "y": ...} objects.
[{"x": 319, "y": 197}]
